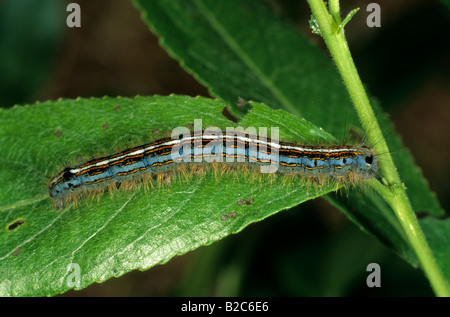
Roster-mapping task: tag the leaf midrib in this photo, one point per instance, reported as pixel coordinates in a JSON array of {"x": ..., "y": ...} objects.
[{"x": 229, "y": 40}]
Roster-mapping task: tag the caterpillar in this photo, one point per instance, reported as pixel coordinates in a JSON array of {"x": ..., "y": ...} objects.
[{"x": 344, "y": 162}]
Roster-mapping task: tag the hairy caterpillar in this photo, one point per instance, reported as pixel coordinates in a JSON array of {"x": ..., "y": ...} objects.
[{"x": 345, "y": 162}]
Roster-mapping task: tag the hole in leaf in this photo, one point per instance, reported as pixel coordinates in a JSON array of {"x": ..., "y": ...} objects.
[
  {"x": 16, "y": 224},
  {"x": 227, "y": 114}
]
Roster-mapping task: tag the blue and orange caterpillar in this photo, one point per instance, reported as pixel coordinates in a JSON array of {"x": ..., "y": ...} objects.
[{"x": 343, "y": 163}]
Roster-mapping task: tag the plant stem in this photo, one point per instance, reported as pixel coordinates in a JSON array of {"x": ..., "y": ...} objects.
[
  {"x": 333, "y": 34},
  {"x": 333, "y": 5}
]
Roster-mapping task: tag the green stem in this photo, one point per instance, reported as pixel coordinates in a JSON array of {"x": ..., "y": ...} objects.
[
  {"x": 333, "y": 5},
  {"x": 394, "y": 193}
]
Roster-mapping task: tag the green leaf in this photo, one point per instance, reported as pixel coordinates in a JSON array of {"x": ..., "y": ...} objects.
[
  {"x": 347, "y": 19},
  {"x": 437, "y": 232},
  {"x": 256, "y": 56},
  {"x": 129, "y": 229}
]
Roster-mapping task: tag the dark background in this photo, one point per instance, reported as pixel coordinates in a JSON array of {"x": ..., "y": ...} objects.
[{"x": 312, "y": 250}]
